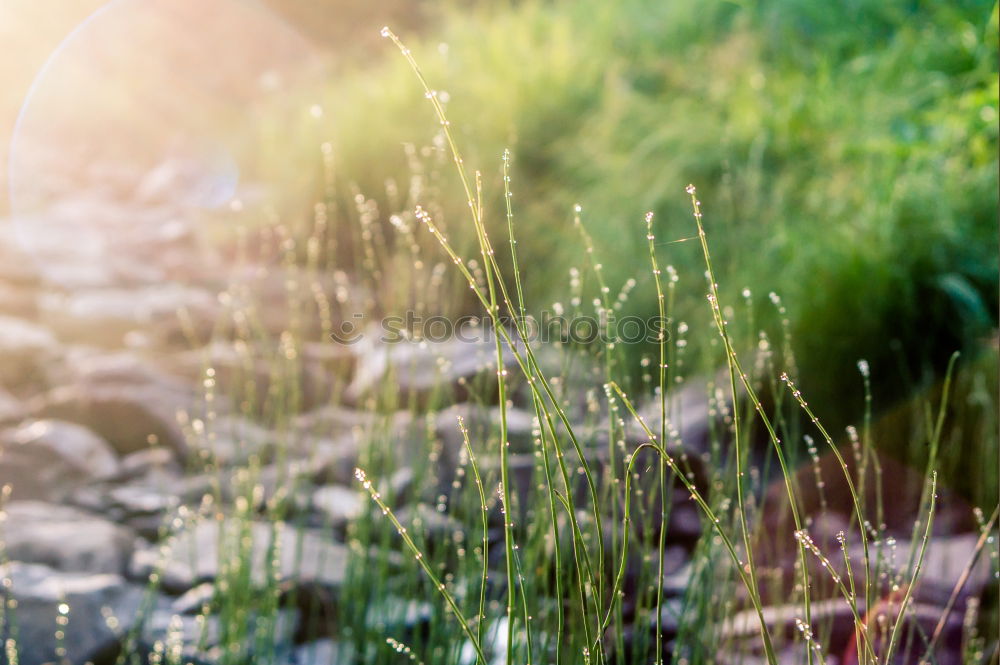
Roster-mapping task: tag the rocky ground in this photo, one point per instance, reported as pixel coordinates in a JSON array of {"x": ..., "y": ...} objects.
[{"x": 104, "y": 339}]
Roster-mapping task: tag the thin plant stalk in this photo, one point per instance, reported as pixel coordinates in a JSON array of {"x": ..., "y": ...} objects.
[
  {"x": 491, "y": 304},
  {"x": 662, "y": 343},
  {"x": 894, "y": 636},
  {"x": 421, "y": 560},
  {"x": 714, "y": 521},
  {"x": 735, "y": 369},
  {"x": 538, "y": 406},
  {"x": 481, "y": 616},
  {"x": 959, "y": 585}
]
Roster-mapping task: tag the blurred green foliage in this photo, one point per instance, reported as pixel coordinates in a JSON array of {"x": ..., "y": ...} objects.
[{"x": 845, "y": 153}]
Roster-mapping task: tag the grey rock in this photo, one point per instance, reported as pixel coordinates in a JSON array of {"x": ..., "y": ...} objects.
[
  {"x": 12, "y": 410},
  {"x": 26, "y": 350},
  {"x": 422, "y": 366},
  {"x": 48, "y": 459},
  {"x": 101, "y": 608},
  {"x": 332, "y": 420},
  {"x": 334, "y": 460},
  {"x": 231, "y": 440},
  {"x": 64, "y": 538},
  {"x": 126, "y": 401},
  {"x": 286, "y": 485},
  {"x": 483, "y": 425},
  {"x": 200, "y": 637},
  {"x": 194, "y": 599},
  {"x": 255, "y": 374},
  {"x": 17, "y": 300},
  {"x": 338, "y": 505},
  {"x": 147, "y": 503},
  {"x": 838, "y": 623},
  {"x": 154, "y": 461},
  {"x": 17, "y": 266},
  {"x": 432, "y": 524},
  {"x": 192, "y": 554},
  {"x": 323, "y": 652},
  {"x": 689, "y": 416},
  {"x": 104, "y": 316},
  {"x": 74, "y": 443}
]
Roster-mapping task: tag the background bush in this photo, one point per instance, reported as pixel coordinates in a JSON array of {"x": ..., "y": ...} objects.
[{"x": 846, "y": 155}]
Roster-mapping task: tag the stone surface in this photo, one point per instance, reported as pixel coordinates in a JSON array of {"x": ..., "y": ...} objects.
[
  {"x": 146, "y": 503},
  {"x": 200, "y": 637},
  {"x": 101, "y": 608},
  {"x": 12, "y": 410},
  {"x": 17, "y": 300},
  {"x": 323, "y": 652},
  {"x": 423, "y": 366},
  {"x": 49, "y": 459},
  {"x": 193, "y": 554},
  {"x": 104, "y": 316},
  {"x": 64, "y": 538},
  {"x": 689, "y": 416},
  {"x": 231, "y": 440},
  {"x": 126, "y": 401},
  {"x": 255, "y": 374},
  {"x": 26, "y": 351},
  {"x": 338, "y": 505}
]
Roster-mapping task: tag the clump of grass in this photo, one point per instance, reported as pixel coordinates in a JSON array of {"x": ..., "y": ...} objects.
[
  {"x": 597, "y": 606},
  {"x": 571, "y": 567},
  {"x": 854, "y": 146}
]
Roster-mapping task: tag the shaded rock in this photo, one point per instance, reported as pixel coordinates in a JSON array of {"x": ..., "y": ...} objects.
[
  {"x": 334, "y": 460},
  {"x": 194, "y": 554},
  {"x": 950, "y": 547},
  {"x": 64, "y": 538},
  {"x": 17, "y": 300},
  {"x": 256, "y": 375},
  {"x": 944, "y": 561},
  {"x": 200, "y": 636},
  {"x": 26, "y": 350},
  {"x": 418, "y": 440},
  {"x": 437, "y": 527},
  {"x": 12, "y": 410},
  {"x": 74, "y": 443},
  {"x": 898, "y": 493},
  {"x": 49, "y": 459},
  {"x": 690, "y": 415},
  {"x": 421, "y": 442},
  {"x": 194, "y": 599},
  {"x": 323, "y": 652},
  {"x": 101, "y": 608},
  {"x": 274, "y": 292},
  {"x": 399, "y": 616},
  {"x": 483, "y": 425},
  {"x": 147, "y": 503},
  {"x": 425, "y": 366},
  {"x": 129, "y": 417},
  {"x": 332, "y": 420},
  {"x": 124, "y": 400},
  {"x": 154, "y": 461},
  {"x": 276, "y": 485},
  {"x": 104, "y": 316},
  {"x": 338, "y": 505},
  {"x": 231, "y": 440},
  {"x": 17, "y": 267},
  {"x": 676, "y": 570},
  {"x": 835, "y": 618},
  {"x": 523, "y": 470}
]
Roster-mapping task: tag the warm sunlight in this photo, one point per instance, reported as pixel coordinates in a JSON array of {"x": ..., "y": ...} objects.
[{"x": 543, "y": 332}]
